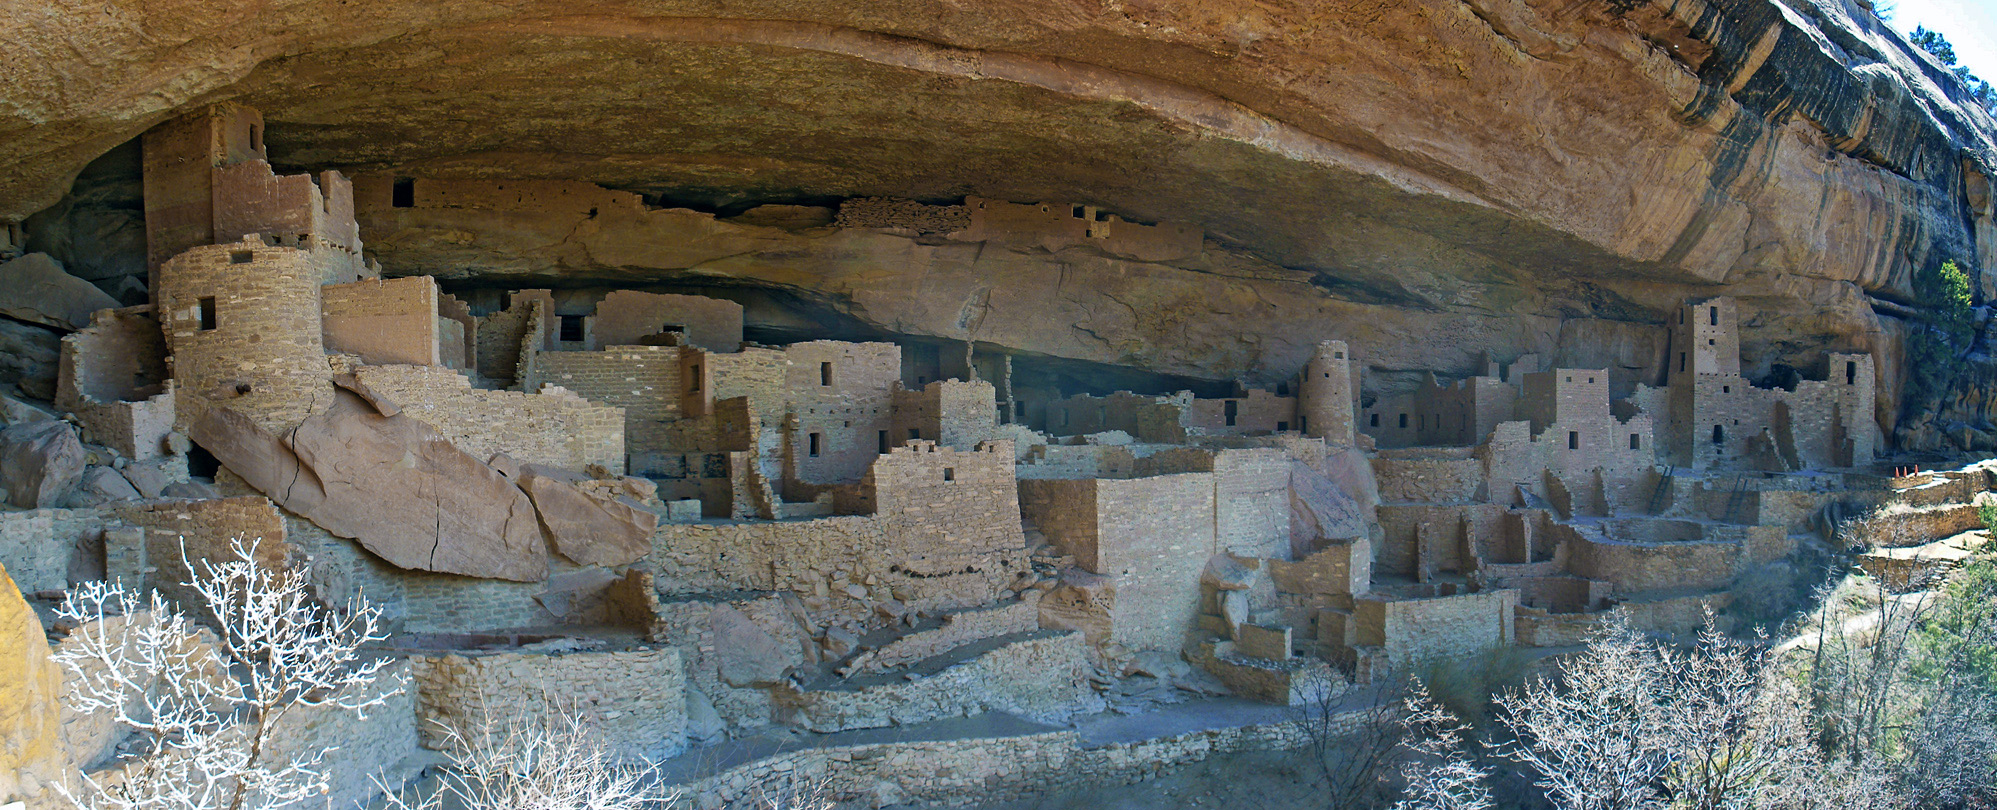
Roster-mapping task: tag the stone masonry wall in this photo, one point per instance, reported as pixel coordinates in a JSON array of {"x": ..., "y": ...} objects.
[
  {"x": 30, "y": 552},
  {"x": 989, "y": 770},
  {"x": 842, "y": 394},
  {"x": 385, "y": 322},
  {"x": 1252, "y": 502},
  {"x": 631, "y": 700},
  {"x": 624, "y": 316},
  {"x": 553, "y": 427},
  {"x": 1041, "y": 675},
  {"x": 1155, "y": 537},
  {"x": 264, "y": 356}
]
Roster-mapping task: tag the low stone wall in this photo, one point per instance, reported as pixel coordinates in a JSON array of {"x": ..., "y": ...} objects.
[
  {"x": 30, "y": 552},
  {"x": 1900, "y": 526},
  {"x": 958, "y": 629},
  {"x": 634, "y": 701},
  {"x": 1429, "y": 480},
  {"x": 1543, "y": 628},
  {"x": 1042, "y": 675},
  {"x": 991, "y": 770}
]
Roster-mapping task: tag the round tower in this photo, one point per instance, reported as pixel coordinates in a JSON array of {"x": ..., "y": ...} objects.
[{"x": 1325, "y": 401}]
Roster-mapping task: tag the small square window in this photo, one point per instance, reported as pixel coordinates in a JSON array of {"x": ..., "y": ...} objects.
[
  {"x": 1635, "y": 442},
  {"x": 241, "y": 256},
  {"x": 570, "y": 329}
]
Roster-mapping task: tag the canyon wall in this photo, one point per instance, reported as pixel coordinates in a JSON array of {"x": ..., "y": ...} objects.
[{"x": 1429, "y": 179}]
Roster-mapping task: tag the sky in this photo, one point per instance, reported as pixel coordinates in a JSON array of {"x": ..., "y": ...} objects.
[{"x": 1969, "y": 25}]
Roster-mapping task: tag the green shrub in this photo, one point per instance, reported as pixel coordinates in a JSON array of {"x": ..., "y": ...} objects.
[{"x": 1942, "y": 335}]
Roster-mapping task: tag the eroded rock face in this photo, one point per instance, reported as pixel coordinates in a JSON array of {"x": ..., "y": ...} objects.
[
  {"x": 392, "y": 484},
  {"x": 1425, "y": 179},
  {"x": 35, "y": 289}
]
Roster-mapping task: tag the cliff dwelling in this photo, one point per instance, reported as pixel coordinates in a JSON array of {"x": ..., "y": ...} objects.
[{"x": 962, "y": 409}]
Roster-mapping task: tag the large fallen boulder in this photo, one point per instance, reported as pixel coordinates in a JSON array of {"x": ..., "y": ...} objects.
[
  {"x": 584, "y": 526},
  {"x": 34, "y": 288},
  {"x": 99, "y": 486},
  {"x": 392, "y": 483},
  {"x": 40, "y": 462}
]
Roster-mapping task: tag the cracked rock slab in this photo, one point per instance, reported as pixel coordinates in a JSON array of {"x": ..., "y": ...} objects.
[{"x": 393, "y": 484}]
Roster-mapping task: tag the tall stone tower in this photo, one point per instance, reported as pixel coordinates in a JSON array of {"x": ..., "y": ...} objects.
[
  {"x": 1705, "y": 340},
  {"x": 1325, "y": 398},
  {"x": 181, "y": 157}
]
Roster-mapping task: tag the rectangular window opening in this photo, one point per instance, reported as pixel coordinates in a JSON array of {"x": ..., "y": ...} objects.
[
  {"x": 884, "y": 441},
  {"x": 1635, "y": 441},
  {"x": 1404, "y": 421},
  {"x": 1373, "y": 421},
  {"x": 693, "y": 381},
  {"x": 915, "y": 433},
  {"x": 241, "y": 257},
  {"x": 1282, "y": 426},
  {"x": 1713, "y": 315},
  {"x": 1231, "y": 409},
  {"x": 403, "y": 195},
  {"x": 1573, "y": 440},
  {"x": 1681, "y": 362},
  {"x": 824, "y": 373},
  {"x": 1850, "y": 373},
  {"x": 571, "y": 329},
  {"x": 672, "y": 329},
  {"x": 949, "y": 473},
  {"x": 207, "y": 306},
  {"x": 816, "y": 440},
  {"x": 1081, "y": 213}
]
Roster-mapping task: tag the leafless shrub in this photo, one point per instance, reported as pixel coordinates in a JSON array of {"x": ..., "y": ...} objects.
[
  {"x": 548, "y": 762},
  {"x": 1352, "y": 762},
  {"x": 204, "y": 706},
  {"x": 1441, "y": 774}
]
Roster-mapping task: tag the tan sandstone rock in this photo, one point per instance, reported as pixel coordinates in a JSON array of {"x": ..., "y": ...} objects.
[
  {"x": 391, "y": 483},
  {"x": 30, "y": 701},
  {"x": 585, "y": 527}
]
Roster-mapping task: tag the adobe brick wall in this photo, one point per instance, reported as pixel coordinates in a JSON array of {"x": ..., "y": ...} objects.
[
  {"x": 925, "y": 541},
  {"x": 500, "y": 338},
  {"x": 1054, "y": 225},
  {"x": 1155, "y": 537}
]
